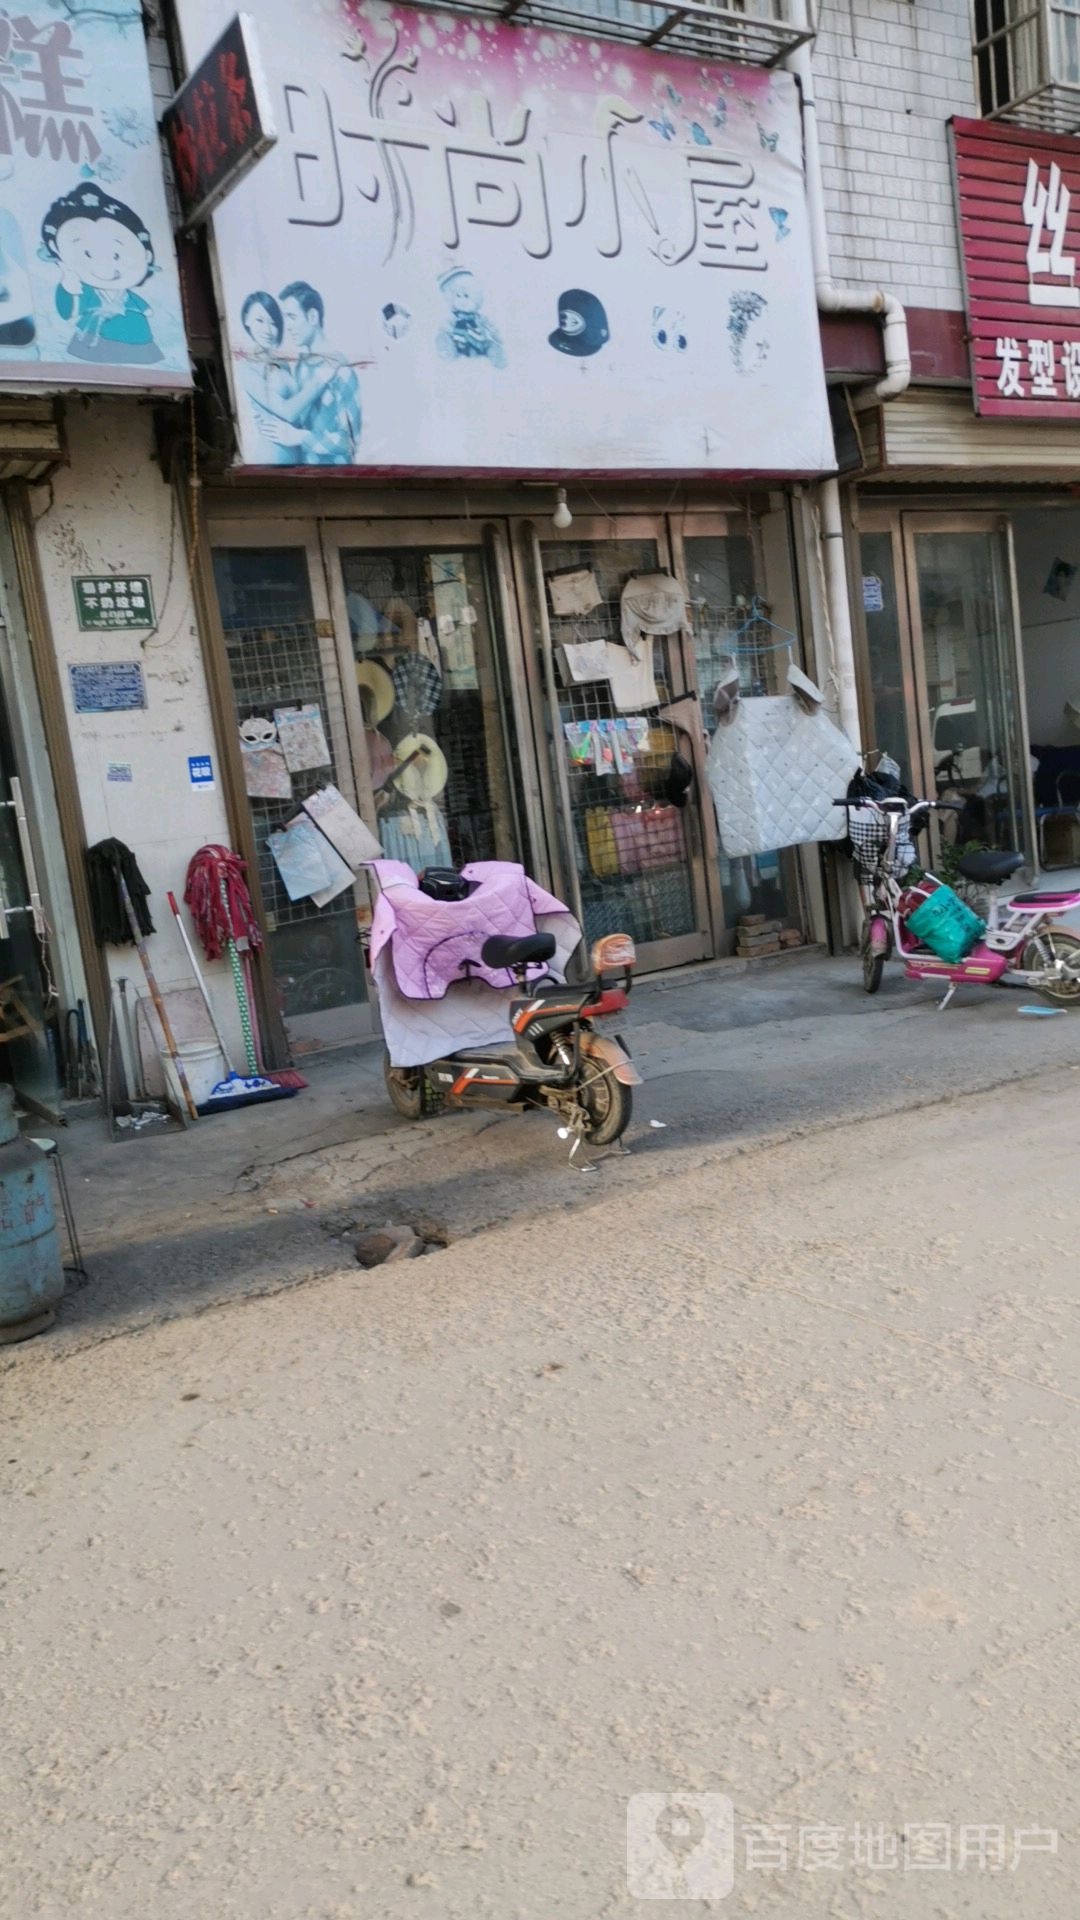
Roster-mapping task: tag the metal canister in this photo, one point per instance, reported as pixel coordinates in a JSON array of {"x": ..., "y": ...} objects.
[{"x": 31, "y": 1263}]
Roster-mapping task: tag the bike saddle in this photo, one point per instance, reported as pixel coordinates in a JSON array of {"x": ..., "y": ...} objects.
[
  {"x": 991, "y": 868},
  {"x": 500, "y": 950}
]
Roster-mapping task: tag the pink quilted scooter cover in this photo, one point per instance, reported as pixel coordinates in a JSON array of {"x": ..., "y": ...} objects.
[{"x": 429, "y": 939}]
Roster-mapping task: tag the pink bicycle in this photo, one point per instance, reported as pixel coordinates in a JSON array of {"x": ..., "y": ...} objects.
[{"x": 1021, "y": 947}]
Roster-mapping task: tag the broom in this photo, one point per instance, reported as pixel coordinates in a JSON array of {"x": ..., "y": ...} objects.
[{"x": 237, "y": 1089}]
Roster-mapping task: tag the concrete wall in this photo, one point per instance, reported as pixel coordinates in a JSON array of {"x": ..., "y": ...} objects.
[
  {"x": 888, "y": 75},
  {"x": 110, "y": 512},
  {"x": 1051, "y": 627}
]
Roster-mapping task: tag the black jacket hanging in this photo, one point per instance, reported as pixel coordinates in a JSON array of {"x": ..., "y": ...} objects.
[{"x": 105, "y": 862}]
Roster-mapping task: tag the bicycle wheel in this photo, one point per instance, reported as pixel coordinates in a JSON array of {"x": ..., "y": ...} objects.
[{"x": 1057, "y": 943}]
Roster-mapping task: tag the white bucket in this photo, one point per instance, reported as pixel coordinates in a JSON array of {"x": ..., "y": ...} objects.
[{"x": 204, "y": 1066}]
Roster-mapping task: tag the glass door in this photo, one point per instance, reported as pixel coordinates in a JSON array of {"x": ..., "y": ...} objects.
[
  {"x": 637, "y": 856},
  {"x": 965, "y": 632},
  {"x": 428, "y": 663},
  {"x": 730, "y": 605},
  {"x": 293, "y": 738}
]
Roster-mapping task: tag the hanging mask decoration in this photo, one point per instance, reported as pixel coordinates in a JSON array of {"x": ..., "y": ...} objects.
[{"x": 256, "y": 731}]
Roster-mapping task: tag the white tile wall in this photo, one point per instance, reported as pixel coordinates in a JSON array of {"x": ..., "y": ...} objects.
[{"x": 888, "y": 76}]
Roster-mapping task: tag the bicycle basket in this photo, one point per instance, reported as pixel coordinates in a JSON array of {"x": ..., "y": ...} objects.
[{"x": 868, "y": 838}]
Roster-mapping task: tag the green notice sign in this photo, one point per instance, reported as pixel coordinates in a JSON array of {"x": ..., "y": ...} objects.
[{"x": 113, "y": 602}]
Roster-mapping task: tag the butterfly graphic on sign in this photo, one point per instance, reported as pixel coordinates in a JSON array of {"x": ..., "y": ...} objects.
[
  {"x": 719, "y": 115},
  {"x": 768, "y": 140},
  {"x": 779, "y": 217},
  {"x": 673, "y": 96},
  {"x": 663, "y": 127},
  {"x": 699, "y": 135}
]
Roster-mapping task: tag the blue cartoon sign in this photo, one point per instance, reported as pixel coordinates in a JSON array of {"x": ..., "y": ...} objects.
[{"x": 89, "y": 295}]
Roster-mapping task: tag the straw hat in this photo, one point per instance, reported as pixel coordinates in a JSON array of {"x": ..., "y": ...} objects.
[
  {"x": 376, "y": 680},
  {"x": 424, "y": 778}
]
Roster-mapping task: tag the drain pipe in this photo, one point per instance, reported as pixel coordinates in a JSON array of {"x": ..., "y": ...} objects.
[{"x": 834, "y": 299}]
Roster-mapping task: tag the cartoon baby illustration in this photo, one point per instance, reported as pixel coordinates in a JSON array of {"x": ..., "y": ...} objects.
[
  {"x": 104, "y": 252},
  {"x": 469, "y": 334}
]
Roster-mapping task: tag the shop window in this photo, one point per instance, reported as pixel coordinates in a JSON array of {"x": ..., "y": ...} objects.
[{"x": 1027, "y": 62}]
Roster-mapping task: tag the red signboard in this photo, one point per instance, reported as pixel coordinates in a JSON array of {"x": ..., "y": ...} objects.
[
  {"x": 219, "y": 124},
  {"x": 1018, "y": 198}
]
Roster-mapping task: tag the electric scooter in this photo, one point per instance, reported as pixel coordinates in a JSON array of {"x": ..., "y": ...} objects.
[
  {"x": 556, "y": 1058},
  {"x": 1022, "y": 947}
]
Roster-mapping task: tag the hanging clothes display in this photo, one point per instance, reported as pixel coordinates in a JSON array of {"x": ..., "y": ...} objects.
[
  {"x": 651, "y": 603},
  {"x": 775, "y": 769}
]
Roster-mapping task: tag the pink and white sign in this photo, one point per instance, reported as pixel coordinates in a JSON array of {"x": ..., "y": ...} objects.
[
  {"x": 1018, "y": 197},
  {"x": 479, "y": 247}
]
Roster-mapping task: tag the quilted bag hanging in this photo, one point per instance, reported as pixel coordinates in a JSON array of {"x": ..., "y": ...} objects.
[{"x": 774, "y": 771}]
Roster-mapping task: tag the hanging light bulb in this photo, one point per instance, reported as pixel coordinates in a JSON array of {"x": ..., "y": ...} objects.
[{"x": 562, "y": 516}]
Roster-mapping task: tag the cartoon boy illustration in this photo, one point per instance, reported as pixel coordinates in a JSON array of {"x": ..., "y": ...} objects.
[
  {"x": 104, "y": 252},
  {"x": 469, "y": 334}
]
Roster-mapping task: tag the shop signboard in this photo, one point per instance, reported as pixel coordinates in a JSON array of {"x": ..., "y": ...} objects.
[
  {"x": 89, "y": 296},
  {"x": 1018, "y": 205},
  {"x": 219, "y": 123},
  {"x": 480, "y": 247}
]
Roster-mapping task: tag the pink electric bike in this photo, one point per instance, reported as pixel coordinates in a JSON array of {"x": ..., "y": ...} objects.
[{"x": 1021, "y": 946}]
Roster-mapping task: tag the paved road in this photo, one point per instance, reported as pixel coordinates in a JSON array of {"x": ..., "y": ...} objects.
[
  {"x": 267, "y": 1197},
  {"x": 383, "y": 1595}
]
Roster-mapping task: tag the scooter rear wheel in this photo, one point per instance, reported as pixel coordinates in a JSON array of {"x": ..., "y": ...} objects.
[
  {"x": 1057, "y": 943},
  {"x": 405, "y": 1085},
  {"x": 608, "y": 1104}
]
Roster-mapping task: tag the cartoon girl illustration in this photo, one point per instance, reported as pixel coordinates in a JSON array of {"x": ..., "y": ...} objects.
[{"x": 104, "y": 252}]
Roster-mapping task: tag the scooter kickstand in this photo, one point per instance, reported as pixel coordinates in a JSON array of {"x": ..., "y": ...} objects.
[{"x": 953, "y": 984}]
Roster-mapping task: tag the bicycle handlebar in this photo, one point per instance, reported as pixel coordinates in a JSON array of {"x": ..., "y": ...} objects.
[{"x": 902, "y": 806}]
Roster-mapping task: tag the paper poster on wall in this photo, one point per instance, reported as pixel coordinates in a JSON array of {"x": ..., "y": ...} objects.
[
  {"x": 87, "y": 264},
  {"x": 302, "y": 737},
  {"x": 488, "y": 246}
]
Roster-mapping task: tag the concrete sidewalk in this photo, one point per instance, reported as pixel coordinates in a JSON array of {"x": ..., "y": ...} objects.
[{"x": 731, "y": 1055}]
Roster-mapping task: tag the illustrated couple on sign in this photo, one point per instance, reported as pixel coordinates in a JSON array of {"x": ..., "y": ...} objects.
[{"x": 305, "y": 399}]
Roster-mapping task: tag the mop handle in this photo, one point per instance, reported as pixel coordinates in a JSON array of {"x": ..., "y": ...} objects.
[
  {"x": 238, "y": 981},
  {"x": 203, "y": 989},
  {"x": 155, "y": 995}
]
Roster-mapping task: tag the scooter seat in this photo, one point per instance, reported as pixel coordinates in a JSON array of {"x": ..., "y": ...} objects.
[
  {"x": 501, "y": 950},
  {"x": 991, "y": 868}
]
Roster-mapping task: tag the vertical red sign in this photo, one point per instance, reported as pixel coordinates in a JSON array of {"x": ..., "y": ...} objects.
[{"x": 1018, "y": 202}]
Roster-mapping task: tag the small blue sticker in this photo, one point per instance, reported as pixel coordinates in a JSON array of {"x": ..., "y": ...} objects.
[{"x": 200, "y": 770}]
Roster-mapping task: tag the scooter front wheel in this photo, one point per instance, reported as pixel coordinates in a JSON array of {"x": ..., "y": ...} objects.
[
  {"x": 405, "y": 1085},
  {"x": 873, "y": 964},
  {"x": 1057, "y": 943},
  {"x": 608, "y": 1104}
]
